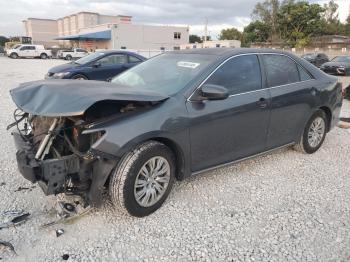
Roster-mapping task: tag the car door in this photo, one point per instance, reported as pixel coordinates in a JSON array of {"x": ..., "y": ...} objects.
[
  {"x": 292, "y": 98},
  {"x": 24, "y": 51},
  {"x": 33, "y": 52},
  {"x": 225, "y": 130},
  {"x": 108, "y": 66}
]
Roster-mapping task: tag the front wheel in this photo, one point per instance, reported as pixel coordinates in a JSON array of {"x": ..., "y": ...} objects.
[
  {"x": 43, "y": 56},
  {"x": 314, "y": 133},
  {"x": 14, "y": 55},
  {"x": 79, "y": 77},
  {"x": 143, "y": 179}
]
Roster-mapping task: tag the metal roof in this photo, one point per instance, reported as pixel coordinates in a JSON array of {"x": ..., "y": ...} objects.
[{"x": 101, "y": 35}]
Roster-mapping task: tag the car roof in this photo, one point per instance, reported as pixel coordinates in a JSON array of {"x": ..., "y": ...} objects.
[
  {"x": 225, "y": 51},
  {"x": 120, "y": 51}
]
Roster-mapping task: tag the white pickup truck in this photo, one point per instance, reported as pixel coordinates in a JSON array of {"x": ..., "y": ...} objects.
[
  {"x": 29, "y": 51},
  {"x": 72, "y": 54}
]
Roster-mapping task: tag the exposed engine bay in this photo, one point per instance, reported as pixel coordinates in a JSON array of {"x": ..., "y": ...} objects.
[{"x": 55, "y": 152}]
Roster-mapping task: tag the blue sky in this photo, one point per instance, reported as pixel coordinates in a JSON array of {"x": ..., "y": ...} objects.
[{"x": 220, "y": 14}]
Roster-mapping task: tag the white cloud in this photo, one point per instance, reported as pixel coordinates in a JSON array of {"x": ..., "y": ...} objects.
[{"x": 220, "y": 14}]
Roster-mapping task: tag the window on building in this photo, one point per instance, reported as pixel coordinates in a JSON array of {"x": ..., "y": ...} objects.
[
  {"x": 239, "y": 75},
  {"x": 176, "y": 48},
  {"x": 123, "y": 47},
  {"x": 177, "y": 35},
  {"x": 162, "y": 48},
  {"x": 113, "y": 60},
  {"x": 281, "y": 70}
]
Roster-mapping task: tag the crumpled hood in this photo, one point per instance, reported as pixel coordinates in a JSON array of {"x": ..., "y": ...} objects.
[{"x": 73, "y": 97}]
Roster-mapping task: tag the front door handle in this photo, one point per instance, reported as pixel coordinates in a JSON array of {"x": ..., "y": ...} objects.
[{"x": 262, "y": 103}]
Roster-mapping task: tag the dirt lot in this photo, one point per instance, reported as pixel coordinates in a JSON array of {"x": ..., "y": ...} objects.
[{"x": 279, "y": 207}]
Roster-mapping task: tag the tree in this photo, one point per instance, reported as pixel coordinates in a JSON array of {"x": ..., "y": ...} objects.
[
  {"x": 255, "y": 32},
  {"x": 195, "y": 39},
  {"x": 347, "y": 25},
  {"x": 298, "y": 21},
  {"x": 230, "y": 34},
  {"x": 331, "y": 19},
  {"x": 267, "y": 13},
  {"x": 3, "y": 40},
  {"x": 330, "y": 13}
]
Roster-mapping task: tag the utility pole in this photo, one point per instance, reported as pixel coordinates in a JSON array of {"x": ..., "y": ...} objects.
[{"x": 206, "y": 30}]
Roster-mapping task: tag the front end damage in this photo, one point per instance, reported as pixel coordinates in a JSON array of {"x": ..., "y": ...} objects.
[
  {"x": 55, "y": 153},
  {"x": 55, "y": 135}
]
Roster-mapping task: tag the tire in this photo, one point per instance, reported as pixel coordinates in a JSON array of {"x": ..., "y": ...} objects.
[
  {"x": 123, "y": 188},
  {"x": 69, "y": 57},
  {"x": 43, "y": 56},
  {"x": 306, "y": 145},
  {"x": 14, "y": 55},
  {"x": 79, "y": 77}
]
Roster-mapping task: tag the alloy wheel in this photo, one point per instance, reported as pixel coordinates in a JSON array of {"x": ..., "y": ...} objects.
[
  {"x": 316, "y": 132},
  {"x": 152, "y": 181}
]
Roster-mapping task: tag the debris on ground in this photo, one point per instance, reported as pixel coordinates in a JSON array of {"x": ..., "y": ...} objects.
[
  {"x": 59, "y": 232},
  {"x": 20, "y": 188},
  {"x": 2, "y": 184},
  {"x": 65, "y": 256},
  {"x": 343, "y": 124},
  {"x": 67, "y": 212},
  {"x": 8, "y": 245},
  {"x": 15, "y": 221}
]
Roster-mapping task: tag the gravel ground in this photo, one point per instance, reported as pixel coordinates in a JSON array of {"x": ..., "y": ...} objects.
[{"x": 284, "y": 206}]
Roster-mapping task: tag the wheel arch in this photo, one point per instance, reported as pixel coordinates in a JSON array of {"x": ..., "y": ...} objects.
[
  {"x": 78, "y": 73},
  {"x": 178, "y": 153},
  {"x": 328, "y": 113}
]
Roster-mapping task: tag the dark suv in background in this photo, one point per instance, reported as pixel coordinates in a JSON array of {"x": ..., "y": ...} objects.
[{"x": 316, "y": 59}]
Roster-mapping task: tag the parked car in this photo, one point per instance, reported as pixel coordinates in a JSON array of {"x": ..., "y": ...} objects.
[
  {"x": 96, "y": 66},
  {"x": 72, "y": 54},
  {"x": 175, "y": 115},
  {"x": 29, "y": 51},
  {"x": 340, "y": 65},
  {"x": 316, "y": 59}
]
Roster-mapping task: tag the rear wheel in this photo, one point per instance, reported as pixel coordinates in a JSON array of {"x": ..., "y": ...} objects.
[
  {"x": 143, "y": 179},
  {"x": 314, "y": 133},
  {"x": 43, "y": 56},
  {"x": 68, "y": 57},
  {"x": 14, "y": 55},
  {"x": 79, "y": 77}
]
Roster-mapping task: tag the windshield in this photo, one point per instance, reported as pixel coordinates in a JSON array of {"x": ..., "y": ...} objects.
[
  {"x": 345, "y": 59},
  {"x": 16, "y": 46},
  {"x": 89, "y": 58},
  {"x": 166, "y": 74}
]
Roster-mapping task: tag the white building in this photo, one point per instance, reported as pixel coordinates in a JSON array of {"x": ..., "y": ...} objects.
[{"x": 94, "y": 31}]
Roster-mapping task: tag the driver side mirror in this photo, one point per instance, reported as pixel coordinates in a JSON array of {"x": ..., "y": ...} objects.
[
  {"x": 214, "y": 92},
  {"x": 96, "y": 64}
]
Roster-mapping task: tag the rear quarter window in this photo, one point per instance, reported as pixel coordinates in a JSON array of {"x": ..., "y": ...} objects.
[{"x": 280, "y": 70}]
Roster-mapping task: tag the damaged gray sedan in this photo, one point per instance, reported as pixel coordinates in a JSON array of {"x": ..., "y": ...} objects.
[{"x": 177, "y": 114}]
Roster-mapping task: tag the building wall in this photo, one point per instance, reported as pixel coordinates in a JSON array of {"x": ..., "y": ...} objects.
[
  {"x": 42, "y": 31},
  {"x": 132, "y": 36}
]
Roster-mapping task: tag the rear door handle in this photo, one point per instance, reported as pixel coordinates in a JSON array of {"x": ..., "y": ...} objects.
[{"x": 262, "y": 103}]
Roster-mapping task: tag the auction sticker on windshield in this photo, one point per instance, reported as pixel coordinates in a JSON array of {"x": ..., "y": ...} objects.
[{"x": 188, "y": 64}]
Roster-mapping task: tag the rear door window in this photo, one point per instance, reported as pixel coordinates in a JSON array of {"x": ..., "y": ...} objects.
[
  {"x": 280, "y": 70},
  {"x": 240, "y": 74},
  {"x": 113, "y": 60}
]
